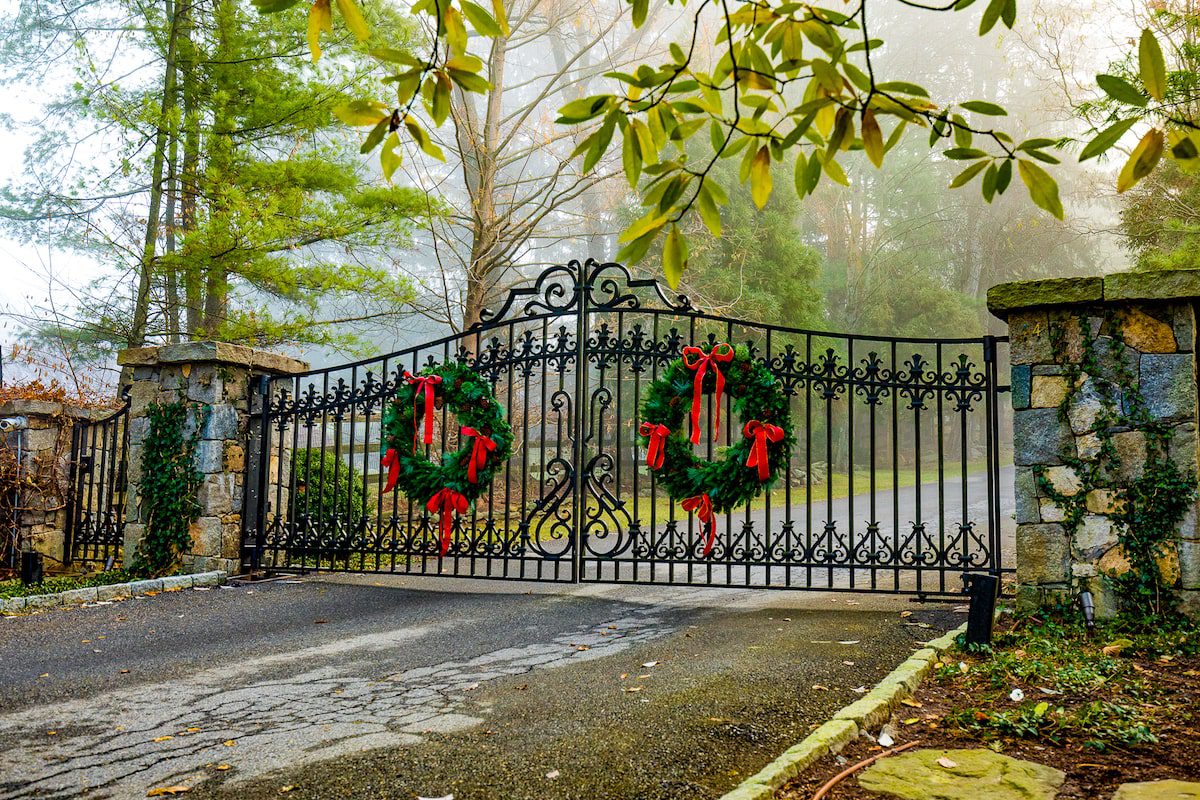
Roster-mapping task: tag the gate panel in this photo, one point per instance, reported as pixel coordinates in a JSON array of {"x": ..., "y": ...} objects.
[
  {"x": 98, "y": 478},
  {"x": 893, "y": 484}
]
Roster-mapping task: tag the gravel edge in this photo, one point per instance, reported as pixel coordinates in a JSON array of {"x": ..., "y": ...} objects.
[
  {"x": 869, "y": 712},
  {"x": 113, "y": 591}
]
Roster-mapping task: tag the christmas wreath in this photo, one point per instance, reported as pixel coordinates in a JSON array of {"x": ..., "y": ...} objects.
[
  {"x": 462, "y": 476},
  {"x": 749, "y": 465}
]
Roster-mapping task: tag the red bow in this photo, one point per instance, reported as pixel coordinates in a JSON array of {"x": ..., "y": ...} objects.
[
  {"x": 694, "y": 358},
  {"x": 762, "y": 432},
  {"x": 391, "y": 460},
  {"x": 702, "y": 505},
  {"x": 428, "y": 384},
  {"x": 656, "y": 450},
  {"x": 477, "y": 460},
  {"x": 447, "y": 503}
]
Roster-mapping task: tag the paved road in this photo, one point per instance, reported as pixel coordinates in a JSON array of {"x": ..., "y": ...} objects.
[{"x": 371, "y": 688}]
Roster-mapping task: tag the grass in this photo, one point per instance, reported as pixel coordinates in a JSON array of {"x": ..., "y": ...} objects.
[
  {"x": 14, "y": 588},
  {"x": 1046, "y": 680}
]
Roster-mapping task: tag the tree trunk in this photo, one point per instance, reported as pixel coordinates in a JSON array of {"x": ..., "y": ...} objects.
[{"x": 141, "y": 308}]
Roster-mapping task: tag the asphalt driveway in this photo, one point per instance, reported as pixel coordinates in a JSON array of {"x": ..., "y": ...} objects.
[{"x": 392, "y": 688}]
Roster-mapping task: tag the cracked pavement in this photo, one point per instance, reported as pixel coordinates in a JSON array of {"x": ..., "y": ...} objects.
[{"x": 372, "y": 686}]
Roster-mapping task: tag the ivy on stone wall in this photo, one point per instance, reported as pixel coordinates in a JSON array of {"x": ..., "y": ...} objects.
[
  {"x": 170, "y": 481},
  {"x": 1147, "y": 504}
]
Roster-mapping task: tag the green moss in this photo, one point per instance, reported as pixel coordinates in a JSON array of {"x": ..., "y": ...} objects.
[{"x": 63, "y": 583}]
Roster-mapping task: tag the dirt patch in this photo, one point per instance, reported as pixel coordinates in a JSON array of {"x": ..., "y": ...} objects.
[{"x": 1131, "y": 713}]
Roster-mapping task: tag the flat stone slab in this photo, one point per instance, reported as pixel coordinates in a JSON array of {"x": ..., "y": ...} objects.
[
  {"x": 1158, "y": 790},
  {"x": 958, "y": 774},
  {"x": 1006, "y": 298}
]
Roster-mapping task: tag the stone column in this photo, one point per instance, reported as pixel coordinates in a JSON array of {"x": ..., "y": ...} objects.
[
  {"x": 220, "y": 377},
  {"x": 1096, "y": 362},
  {"x": 40, "y": 432}
]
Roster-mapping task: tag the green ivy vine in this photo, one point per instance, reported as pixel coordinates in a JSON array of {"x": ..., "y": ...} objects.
[
  {"x": 169, "y": 484},
  {"x": 1147, "y": 510}
]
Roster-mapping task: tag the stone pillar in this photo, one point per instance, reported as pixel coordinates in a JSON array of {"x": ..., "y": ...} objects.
[
  {"x": 40, "y": 433},
  {"x": 1096, "y": 363},
  {"x": 220, "y": 377}
]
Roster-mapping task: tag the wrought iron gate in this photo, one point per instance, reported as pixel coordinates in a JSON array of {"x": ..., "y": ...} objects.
[
  {"x": 893, "y": 485},
  {"x": 98, "y": 478}
]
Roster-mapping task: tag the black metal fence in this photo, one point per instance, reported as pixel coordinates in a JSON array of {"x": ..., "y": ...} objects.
[
  {"x": 893, "y": 485},
  {"x": 98, "y": 478}
]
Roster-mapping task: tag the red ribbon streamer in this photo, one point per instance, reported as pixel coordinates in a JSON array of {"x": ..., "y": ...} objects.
[
  {"x": 427, "y": 384},
  {"x": 391, "y": 460},
  {"x": 477, "y": 460},
  {"x": 447, "y": 503},
  {"x": 656, "y": 450},
  {"x": 694, "y": 358},
  {"x": 702, "y": 505},
  {"x": 761, "y": 432}
]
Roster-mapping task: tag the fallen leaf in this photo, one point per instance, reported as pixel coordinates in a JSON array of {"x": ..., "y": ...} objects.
[
  {"x": 632, "y": 689},
  {"x": 230, "y": 743},
  {"x": 848, "y": 663},
  {"x": 582, "y": 647},
  {"x": 470, "y": 687},
  {"x": 165, "y": 790},
  {"x": 820, "y": 688},
  {"x": 650, "y": 664},
  {"x": 193, "y": 730},
  {"x": 44, "y": 675},
  {"x": 320, "y": 622},
  {"x": 285, "y": 789},
  {"x": 947, "y": 763},
  {"x": 552, "y": 774},
  {"x": 912, "y": 720},
  {"x": 222, "y": 767},
  {"x": 859, "y": 690},
  {"x": 52, "y": 733},
  {"x": 904, "y": 614},
  {"x": 908, "y": 701},
  {"x": 162, "y": 738},
  {"x": 124, "y": 672}
]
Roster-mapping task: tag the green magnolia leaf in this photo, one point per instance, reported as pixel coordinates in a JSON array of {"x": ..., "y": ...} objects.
[
  {"x": 352, "y": 16},
  {"x": 991, "y": 15},
  {"x": 652, "y": 222},
  {"x": 1152, "y": 68},
  {"x": 361, "y": 112},
  {"x": 834, "y": 170},
  {"x": 456, "y": 32},
  {"x": 480, "y": 19},
  {"x": 375, "y": 136},
  {"x": 501, "y": 17},
  {"x": 273, "y": 6},
  {"x": 981, "y": 107},
  {"x": 707, "y": 206},
  {"x": 964, "y": 177},
  {"x": 469, "y": 81},
  {"x": 964, "y": 153},
  {"x": 631, "y": 158},
  {"x": 675, "y": 255},
  {"x": 872, "y": 138},
  {"x": 320, "y": 18},
  {"x": 640, "y": 9},
  {"x": 1121, "y": 90},
  {"x": 390, "y": 156},
  {"x": 900, "y": 87},
  {"x": 1042, "y": 188},
  {"x": 989, "y": 183},
  {"x": 1142, "y": 160},
  {"x": 583, "y": 109},
  {"x": 422, "y": 139},
  {"x": 760, "y": 177},
  {"x": 1003, "y": 176},
  {"x": 440, "y": 107}
]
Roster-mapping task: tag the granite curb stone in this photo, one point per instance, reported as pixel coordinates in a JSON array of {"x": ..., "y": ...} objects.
[
  {"x": 866, "y": 713},
  {"x": 113, "y": 591}
]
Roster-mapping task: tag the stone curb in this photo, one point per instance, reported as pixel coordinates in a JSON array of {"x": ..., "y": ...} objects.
[
  {"x": 113, "y": 591},
  {"x": 868, "y": 712}
]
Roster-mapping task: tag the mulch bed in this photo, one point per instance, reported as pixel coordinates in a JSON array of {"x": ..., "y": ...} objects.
[{"x": 1165, "y": 691}]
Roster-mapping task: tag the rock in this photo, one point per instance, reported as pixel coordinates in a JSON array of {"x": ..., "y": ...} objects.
[
  {"x": 222, "y": 423},
  {"x": 1168, "y": 386},
  {"x": 1006, "y": 300},
  {"x": 1104, "y": 501},
  {"x": 1088, "y": 445},
  {"x": 1183, "y": 446},
  {"x": 1064, "y": 480},
  {"x": 1020, "y": 381},
  {"x": 1158, "y": 790},
  {"x": 1116, "y": 362},
  {"x": 922, "y": 775},
  {"x": 1048, "y": 391},
  {"x": 1025, "y": 493},
  {"x": 1189, "y": 563},
  {"x": 1145, "y": 333},
  {"x": 1114, "y": 562},
  {"x": 1029, "y": 338},
  {"x": 1166, "y": 284},
  {"x": 1039, "y": 437},
  {"x": 1043, "y": 553},
  {"x": 1095, "y": 534},
  {"x": 1130, "y": 447},
  {"x": 1085, "y": 407},
  {"x": 1052, "y": 511},
  {"x": 209, "y": 456}
]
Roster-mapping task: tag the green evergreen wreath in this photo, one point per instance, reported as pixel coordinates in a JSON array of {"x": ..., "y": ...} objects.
[
  {"x": 740, "y": 475},
  {"x": 463, "y": 475}
]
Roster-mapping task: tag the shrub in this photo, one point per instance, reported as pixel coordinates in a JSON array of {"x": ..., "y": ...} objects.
[{"x": 326, "y": 488}]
